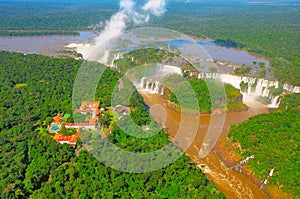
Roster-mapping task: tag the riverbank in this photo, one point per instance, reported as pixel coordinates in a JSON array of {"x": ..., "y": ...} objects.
[
  {"x": 49, "y": 45},
  {"x": 32, "y": 33},
  {"x": 229, "y": 154}
]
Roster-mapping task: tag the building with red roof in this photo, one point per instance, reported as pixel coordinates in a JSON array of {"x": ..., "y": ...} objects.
[
  {"x": 87, "y": 107},
  {"x": 64, "y": 139}
]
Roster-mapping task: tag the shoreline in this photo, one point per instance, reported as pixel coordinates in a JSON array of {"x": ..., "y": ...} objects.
[
  {"x": 239, "y": 49},
  {"x": 229, "y": 156},
  {"x": 13, "y": 34},
  {"x": 217, "y": 111}
]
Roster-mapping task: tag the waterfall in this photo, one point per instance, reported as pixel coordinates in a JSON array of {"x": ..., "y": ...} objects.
[
  {"x": 156, "y": 87},
  {"x": 274, "y": 84},
  {"x": 266, "y": 92},
  {"x": 206, "y": 75},
  {"x": 170, "y": 69},
  {"x": 249, "y": 90},
  {"x": 296, "y": 89},
  {"x": 255, "y": 87},
  {"x": 233, "y": 80},
  {"x": 290, "y": 88},
  {"x": 275, "y": 102},
  {"x": 162, "y": 91},
  {"x": 115, "y": 57},
  {"x": 105, "y": 57},
  {"x": 150, "y": 86},
  {"x": 259, "y": 88},
  {"x": 142, "y": 85}
]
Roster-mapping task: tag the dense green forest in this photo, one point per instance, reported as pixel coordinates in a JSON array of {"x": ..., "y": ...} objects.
[
  {"x": 210, "y": 95},
  {"x": 274, "y": 140},
  {"x": 85, "y": 177},
  {"x": 34, "y": 88},
  {"x": 35, "y": 33},
  {"x": 51, "y": 15},
  {"x": 290, "y": 101}
]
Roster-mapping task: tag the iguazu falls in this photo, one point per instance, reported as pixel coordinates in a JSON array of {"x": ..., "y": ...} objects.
[{"x": 149, "y": 99}]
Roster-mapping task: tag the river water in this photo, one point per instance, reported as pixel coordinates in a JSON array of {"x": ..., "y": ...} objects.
[
  {"x": 51, "y": 45},
  {"x": 45, "y": 45},
  {"x": 231, "y": 183},
  {"x": 222, "y": 53}
]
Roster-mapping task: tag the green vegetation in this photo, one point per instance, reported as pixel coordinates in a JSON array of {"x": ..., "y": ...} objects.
[
  {"x": 106, "y": 88},
  {"x": 140, "y": 57},
  {"x": 27, "y": 154},
  {"x": 131, "y": 143},
  {"x": 276, "y": 91},
  {"x": 234, "y": 99},
  {"x": 36, "y": 33},
  {"x": 139, "y": 113},
  {"x": 227, "y": 97},
  {"x": 228, "y": 43},
  {"x": 290, "y": 101},
  {"x": 244, "y": 86},
  {"x": 48, "y": 88},
  {"x": 33, "y": 165},
  {"x": 212, "y": 69},
  {"x": 39, "y": 16},
  {"x": 274, "y": 140},
  {"x": 85, "y": 177},
  {"x": 244, "y": 70}
]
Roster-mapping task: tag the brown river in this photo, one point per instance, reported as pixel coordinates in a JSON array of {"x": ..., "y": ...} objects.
[{"x": 231, "y": 183}]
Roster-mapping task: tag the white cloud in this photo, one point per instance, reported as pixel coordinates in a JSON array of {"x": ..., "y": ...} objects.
[{"x": 155, "y": 7}]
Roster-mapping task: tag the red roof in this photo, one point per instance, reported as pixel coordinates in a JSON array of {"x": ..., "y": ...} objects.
[
  {"x": 79, "y": 124},
  {"x": 58, "y": 118},
  {"x": 98, "y": 111},
  {"x": 90, "y": 104},
  {"x": 68, "y": 139},
  {"x": 83, "y": 111}
]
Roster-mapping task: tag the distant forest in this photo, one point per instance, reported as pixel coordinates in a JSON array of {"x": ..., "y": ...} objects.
[{"x": 271, "y": 31}]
